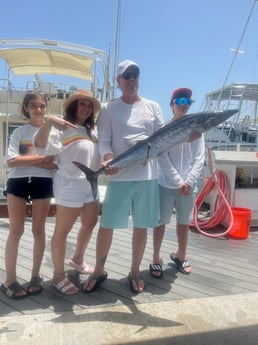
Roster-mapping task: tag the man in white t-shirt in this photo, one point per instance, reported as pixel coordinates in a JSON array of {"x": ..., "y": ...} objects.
[{"x": 121, "y": 124}]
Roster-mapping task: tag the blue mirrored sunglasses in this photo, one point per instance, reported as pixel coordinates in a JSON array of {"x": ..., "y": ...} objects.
[{"x": 183, "y": 100}]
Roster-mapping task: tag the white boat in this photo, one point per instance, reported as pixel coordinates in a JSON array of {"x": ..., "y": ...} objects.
[
  {"x": 54, "y": 67},
  {"x": 240, "y": 132},
  {"x": 234, "y": 144}
]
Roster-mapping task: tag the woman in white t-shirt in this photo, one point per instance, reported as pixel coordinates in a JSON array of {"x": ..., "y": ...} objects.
[{"x": 72, "y": 139}]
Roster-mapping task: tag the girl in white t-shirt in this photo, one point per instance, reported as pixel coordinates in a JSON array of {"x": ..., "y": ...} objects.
[{"x": 29, "y": 179}]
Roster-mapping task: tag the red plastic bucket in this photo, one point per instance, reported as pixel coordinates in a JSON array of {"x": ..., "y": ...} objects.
[{"x": 241, "y": 225}]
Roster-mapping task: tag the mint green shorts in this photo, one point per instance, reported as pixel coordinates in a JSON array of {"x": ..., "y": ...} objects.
[{"x": 138, "y": 199}]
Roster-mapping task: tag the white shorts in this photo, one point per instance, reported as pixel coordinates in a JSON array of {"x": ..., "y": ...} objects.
[{"x": 71, "y": 192}]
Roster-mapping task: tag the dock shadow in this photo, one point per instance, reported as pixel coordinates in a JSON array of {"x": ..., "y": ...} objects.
[
  {"x": 115, "y": 294},
  {"x": 134, "y": 316}
]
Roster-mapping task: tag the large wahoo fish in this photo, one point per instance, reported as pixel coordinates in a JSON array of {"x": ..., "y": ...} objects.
[{"x": 161, "y": 141}]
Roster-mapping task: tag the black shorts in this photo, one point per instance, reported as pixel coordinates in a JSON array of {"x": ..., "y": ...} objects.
[{"x": 30, "y": 188}]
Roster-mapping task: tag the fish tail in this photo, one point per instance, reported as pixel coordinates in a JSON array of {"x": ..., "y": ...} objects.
[{"x": 91, "y": 176}]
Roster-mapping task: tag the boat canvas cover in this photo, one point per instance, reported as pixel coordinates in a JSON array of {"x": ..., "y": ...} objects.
[{"x": 25, "y": 61}]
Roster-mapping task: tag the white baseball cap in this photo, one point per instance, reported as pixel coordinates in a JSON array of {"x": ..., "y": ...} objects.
[{"x": 122, "y": 67}]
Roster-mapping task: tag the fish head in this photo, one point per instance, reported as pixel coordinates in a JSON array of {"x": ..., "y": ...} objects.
[
  {"x": 221, "y": 116},
  {"x": 207, "y": 120}
]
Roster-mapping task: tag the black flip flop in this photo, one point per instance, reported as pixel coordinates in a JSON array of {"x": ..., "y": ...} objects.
[
  {"x": 99, "y": 280},
  {"x": 136, "y": 279}
]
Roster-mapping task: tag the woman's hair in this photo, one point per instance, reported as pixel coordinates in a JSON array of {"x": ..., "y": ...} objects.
[
  {"x": 70, "y": 116},
  {"x": 28, "y": 97}
]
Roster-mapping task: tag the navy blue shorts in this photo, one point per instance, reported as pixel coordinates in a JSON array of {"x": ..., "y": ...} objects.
[{"x": 30, "y": 188}]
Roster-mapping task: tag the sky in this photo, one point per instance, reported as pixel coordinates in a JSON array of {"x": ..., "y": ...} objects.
[{"x": 176, "y": 43}]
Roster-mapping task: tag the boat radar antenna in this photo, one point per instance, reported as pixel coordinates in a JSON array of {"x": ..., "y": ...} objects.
[
  {"x": 116, "y": 47},
  {"x": 236, "y": 52}
]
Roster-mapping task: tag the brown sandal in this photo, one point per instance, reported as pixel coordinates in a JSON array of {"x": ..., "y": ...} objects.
[
  {"x": 12, "y": 290},
  {"x": 35, "y": 282}
]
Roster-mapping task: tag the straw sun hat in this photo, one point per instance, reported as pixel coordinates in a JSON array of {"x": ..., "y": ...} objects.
[{"x": 83, "y": 94}]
